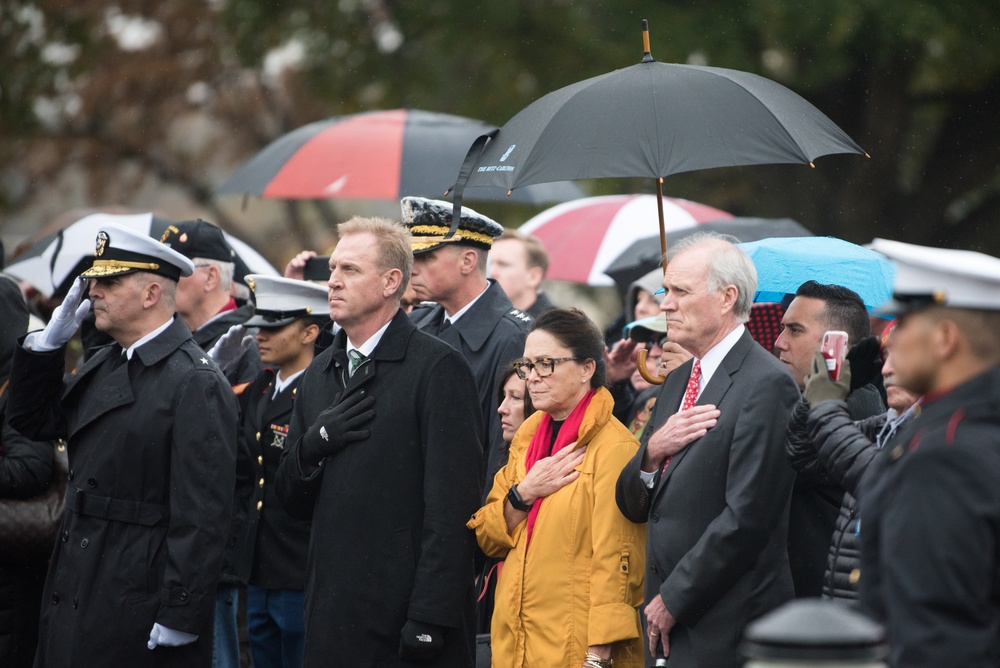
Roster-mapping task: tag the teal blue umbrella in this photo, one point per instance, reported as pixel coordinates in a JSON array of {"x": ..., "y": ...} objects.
[{"x": 783, "y": 264}]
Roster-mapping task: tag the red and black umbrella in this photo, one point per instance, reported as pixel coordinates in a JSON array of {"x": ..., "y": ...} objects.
[{"x": 381, "y": 155}]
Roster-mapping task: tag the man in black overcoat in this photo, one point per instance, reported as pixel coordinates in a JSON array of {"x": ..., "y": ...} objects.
[
  {"x": 710, "y": 477},
  {"x": 151, "y": 430},
  {"x": 930, "y": 502},
  {"x": 472, "y": 313},
  {"x": 387, "y": 462}
]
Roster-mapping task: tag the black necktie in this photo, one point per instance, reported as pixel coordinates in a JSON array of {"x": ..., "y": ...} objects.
[{"x": 445, "y": 322}]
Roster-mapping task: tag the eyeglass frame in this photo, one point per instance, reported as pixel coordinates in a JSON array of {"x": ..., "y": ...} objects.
[{"x": 522, "y": 364}]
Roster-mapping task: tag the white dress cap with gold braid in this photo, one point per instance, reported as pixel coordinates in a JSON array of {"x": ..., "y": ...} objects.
[
  {"x": 279, "y": 301},
  {"x": 120, "y": 250}
]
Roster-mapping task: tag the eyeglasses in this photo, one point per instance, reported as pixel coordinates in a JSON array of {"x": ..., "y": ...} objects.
[{"x": 543, "y": 366}]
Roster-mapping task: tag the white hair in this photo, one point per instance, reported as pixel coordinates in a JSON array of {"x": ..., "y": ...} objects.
[
  {"x": 226, "y": 270},
  {"x": 728, "y": 265}
]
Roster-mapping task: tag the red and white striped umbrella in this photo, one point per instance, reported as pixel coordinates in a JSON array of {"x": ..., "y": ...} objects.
[{"x": 585, "y": 236}]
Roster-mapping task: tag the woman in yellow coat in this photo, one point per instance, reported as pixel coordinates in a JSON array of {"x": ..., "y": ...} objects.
[{"x": 570, "y": 588}]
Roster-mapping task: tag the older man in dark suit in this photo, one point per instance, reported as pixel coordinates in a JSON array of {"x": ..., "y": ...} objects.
[{"x": 711, "y": 477}]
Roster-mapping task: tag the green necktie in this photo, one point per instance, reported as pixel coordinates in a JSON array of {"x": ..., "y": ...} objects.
[{"x": 357, "y": 358}]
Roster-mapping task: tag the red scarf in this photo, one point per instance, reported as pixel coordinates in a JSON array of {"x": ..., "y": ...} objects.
[{"x": 539, "y": 448}]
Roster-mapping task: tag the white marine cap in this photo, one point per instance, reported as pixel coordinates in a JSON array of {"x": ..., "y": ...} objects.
[
  {"x": 926, "y": 276},
  {"x": 121, "y": 250},
  {"x": 279, "y": 301}
]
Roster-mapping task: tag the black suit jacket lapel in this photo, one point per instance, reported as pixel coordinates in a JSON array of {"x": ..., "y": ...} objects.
[{"x": 713, "y": 394}]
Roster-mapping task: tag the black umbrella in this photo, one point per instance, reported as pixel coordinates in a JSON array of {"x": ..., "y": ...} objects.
[
  {"x": 643, "y": 256},
  {"x": 652, "y": 120}
]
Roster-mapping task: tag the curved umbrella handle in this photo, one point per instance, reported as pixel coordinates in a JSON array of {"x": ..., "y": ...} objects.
[{"x": 640, "y": 362}]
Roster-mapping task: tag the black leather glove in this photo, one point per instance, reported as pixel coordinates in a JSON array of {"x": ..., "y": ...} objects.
[
  {"x": 337, "y": 427},
  {"x": 865, "y": 359},
  {"x": 420, "y": 641}
]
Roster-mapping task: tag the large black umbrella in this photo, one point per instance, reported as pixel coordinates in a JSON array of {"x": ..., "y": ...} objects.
[
  {"x": 375, "y": 155},
  {"x": 643, "y": 256},
  {"x": 652, "y": 120}
]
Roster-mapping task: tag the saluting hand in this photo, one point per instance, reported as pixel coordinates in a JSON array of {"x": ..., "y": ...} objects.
[
  {"x": 677, "y": 433},
  {"x": 66, "y": 319},
  {"x": 550, "y": 474},
  {"x": 619, "y": 362}
]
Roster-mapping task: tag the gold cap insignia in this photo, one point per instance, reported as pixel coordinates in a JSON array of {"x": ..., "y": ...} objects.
[{"x": 102, "y": 243}]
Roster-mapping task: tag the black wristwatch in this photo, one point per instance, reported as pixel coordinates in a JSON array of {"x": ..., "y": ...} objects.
[{"x": 516, "y": 502}]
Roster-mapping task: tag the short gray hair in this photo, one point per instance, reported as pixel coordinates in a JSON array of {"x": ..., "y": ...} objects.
[
  {"x": 728, "y": 265},
  {"x": 226, "y": 270}
]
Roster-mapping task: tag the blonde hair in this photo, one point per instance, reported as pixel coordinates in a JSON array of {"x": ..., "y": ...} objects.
[{"x": 394, "y": 244}]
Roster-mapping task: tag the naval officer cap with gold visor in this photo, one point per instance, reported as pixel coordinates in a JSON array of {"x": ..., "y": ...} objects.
[
  {"x": 429, "y": 221},
  {"x": 120, "y": 250}
]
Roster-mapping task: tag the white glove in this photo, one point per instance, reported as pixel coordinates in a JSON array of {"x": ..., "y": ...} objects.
[
  {"x": 162, "y": 636},
  {"x": 230, "y": 346},
  {"x": 66, "y": 319}
]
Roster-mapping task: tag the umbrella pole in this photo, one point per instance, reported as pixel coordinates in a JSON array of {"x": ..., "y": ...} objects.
[
  {"x": 663, "y": 231},
  {"x": 640, "y": 358}
]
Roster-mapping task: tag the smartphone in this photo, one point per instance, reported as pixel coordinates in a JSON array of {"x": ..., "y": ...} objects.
[
  {"x": 317, "y": 268},
  {"x": 834, "y": 349}
]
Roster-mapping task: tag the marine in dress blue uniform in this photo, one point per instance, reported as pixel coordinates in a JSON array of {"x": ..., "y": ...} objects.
[
  {"x": 269, "y": 546},
  {"x": 930, "y": 503}
]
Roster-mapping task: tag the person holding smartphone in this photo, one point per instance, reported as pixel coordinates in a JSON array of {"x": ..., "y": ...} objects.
[{"x": 815, "y": 310}]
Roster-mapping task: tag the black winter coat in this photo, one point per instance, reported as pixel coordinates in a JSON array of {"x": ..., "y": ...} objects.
[
  {"x": 490, "y": 335},
  {"x": 388, "y": 513},
  {"x": 816, "y": 504},
  {"x": 826, "y": 443},
  {"x": 152, "y": 450}
]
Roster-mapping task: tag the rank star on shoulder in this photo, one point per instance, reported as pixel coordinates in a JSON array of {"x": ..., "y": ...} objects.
[{"x": 204, "y": 360}]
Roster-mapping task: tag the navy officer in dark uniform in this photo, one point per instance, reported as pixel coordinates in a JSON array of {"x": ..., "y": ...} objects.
[
  {"x": 930, "y": 503},
  {"x": 471, "y": 313},
  {"x": 151, "y": 430},
  {"x": 270, "y": 546}
]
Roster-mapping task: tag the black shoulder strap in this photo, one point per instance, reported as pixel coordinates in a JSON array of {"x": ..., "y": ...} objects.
[{"x": 471, "y": 159}]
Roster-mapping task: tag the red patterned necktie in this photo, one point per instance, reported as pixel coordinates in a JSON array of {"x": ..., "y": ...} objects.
[{"x": 690, "y": 396}]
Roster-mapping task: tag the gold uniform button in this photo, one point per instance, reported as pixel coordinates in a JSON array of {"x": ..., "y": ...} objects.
[
  {"x": 854, "y": 576},
  {"x": 260, "y": 459},
  {"x": 897, "y": 452},
  {"x": 260, "y": 504},
  {"x": 261, "y": 482},
  {"x": 258, "y": 435}
]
